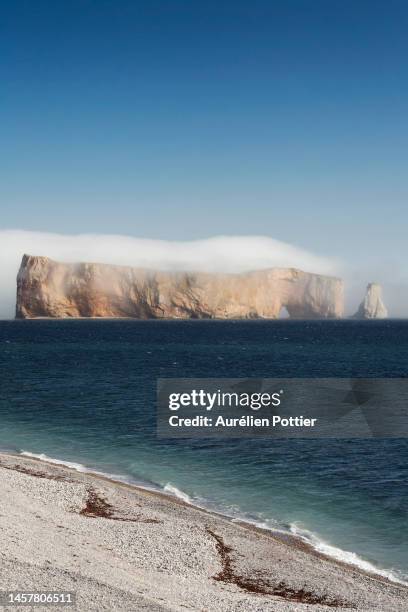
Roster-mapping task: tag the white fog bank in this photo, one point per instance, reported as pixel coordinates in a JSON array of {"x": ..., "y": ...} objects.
[{"x": 221, "y": 253}]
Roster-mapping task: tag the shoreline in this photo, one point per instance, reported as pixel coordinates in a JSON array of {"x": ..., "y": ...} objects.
[
  {"x": 285, "y": 536},
  {"x": 241, "y": 564}
]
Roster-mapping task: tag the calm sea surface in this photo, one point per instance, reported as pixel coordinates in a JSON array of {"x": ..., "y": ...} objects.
[{"x": 84, "y": 392}]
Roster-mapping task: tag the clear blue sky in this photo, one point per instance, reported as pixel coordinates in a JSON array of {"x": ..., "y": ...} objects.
[{"x": 170, "y": 119}]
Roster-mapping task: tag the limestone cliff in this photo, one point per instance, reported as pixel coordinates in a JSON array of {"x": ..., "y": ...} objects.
[
  {"x": 372, "y": 307},
  {"x": 46, "y": 288}
]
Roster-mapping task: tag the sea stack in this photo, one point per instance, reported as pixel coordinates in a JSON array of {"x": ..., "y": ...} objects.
[
  {"x": 372, "y": 307},
  {"x": 46, "y": 288}
]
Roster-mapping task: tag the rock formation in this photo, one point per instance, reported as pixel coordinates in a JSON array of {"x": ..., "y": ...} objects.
[
  {"x": 46, "y": 288},
  {"x": 372, "y": 307}
]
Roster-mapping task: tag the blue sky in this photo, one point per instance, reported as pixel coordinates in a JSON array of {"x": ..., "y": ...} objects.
[{"x": 183, "y": 120}]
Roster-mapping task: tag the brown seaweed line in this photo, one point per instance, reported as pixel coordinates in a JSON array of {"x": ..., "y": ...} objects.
[
  {"x": 24, "y": 470},
  {"x": 264, "y": 587},
  {"x": 97, "y": 507}
]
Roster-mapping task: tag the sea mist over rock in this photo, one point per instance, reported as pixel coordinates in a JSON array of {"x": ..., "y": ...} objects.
[
  {"x": 47, "y": 288},
  {"x": 219, "y": 254}
]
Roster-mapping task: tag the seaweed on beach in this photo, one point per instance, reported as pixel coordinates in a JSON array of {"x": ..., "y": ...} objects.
[
  {"x": 37, "y": 473},
  {"x": 97, "y": 507},
  {"x": 261, "y": 586}
]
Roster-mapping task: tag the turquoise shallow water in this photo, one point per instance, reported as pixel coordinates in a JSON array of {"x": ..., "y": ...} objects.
[{"x": 84, "y": 392}]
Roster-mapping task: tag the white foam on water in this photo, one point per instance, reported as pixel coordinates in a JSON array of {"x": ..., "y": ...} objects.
[
  {"x": 344, "y": 556},
  {"x": 75, "y": 466},
  {"x": 79, "y": 467},
  {"x": 169, "y": 488}
]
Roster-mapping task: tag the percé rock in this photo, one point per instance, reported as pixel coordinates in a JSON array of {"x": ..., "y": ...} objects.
[
  {"x": 46, "y": 288},
  {"x": 372, "y": 307}
]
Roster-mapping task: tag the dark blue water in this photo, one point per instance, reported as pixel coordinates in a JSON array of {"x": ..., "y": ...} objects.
[{"x": 84, "y": 391}]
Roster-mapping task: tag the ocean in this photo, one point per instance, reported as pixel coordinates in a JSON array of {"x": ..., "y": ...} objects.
[{"x": 84, "y": 393}]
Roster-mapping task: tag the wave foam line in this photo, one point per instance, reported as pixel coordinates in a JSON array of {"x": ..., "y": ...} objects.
[
  {"x": 169, "y": 488},
  {"x": 79, "y": 467},
  {"x": 344, "y": 556}
]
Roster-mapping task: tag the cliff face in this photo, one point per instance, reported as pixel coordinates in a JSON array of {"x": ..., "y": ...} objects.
[
  {"x": 46, "y": 288},
  {"x": 372, "y": 307}
]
